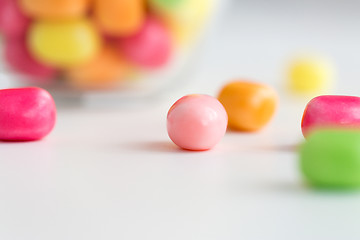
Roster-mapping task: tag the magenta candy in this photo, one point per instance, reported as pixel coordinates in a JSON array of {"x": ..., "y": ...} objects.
[
  {"x": 197, "y": 122},
  {"x": 13, "y": 23},
  {"x": 150, "y": 47},
  {"x": 331, "y": 112},
  {"x": 26, "y": 114},
  {"x": 19, "y": 58}
]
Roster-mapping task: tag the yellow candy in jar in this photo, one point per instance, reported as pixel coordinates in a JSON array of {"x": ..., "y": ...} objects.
[
  {"x": 106, "y": 70},
  {"x": 119, "y": 17},
  {"x": 64, "y": 43},
  {"x": 186, "y": 19},
  {"x": 54, "y": 9},
  {"x": 310, "y": 75}
]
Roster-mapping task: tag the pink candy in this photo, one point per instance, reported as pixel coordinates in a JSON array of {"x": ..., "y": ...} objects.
[
  {"x": 26, "y": 114},
  {"x": 150, "y": 47},
  {"x": 13, "y": 23},
  {"x": 197, "y": 122},
  {"x": 331, "y": 111},
  {"x": 19, "y": 58}
]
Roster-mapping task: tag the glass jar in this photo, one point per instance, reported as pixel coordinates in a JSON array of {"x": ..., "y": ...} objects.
[{"x": 185, "y": 24}]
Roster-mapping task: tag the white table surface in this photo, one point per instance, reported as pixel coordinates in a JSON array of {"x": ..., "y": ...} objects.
[{"x": 114, "y": 174}]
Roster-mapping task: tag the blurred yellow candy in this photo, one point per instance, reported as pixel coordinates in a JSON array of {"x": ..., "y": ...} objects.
[
  {"x": 64, "y": 43},
  {"x": 311, "y": 75},
  {"x": 187, "y": 19},
  {"x": 106, "y": 70}
]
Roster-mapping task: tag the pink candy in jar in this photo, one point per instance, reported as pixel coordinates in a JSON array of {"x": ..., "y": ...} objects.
[
  {"x": 196, "y": 122},
  {"x": 330, "y": 111},
  {"x": 19, "y": 58},
  {"x": 151, "y": 47},
  {"x": 13, "y": 23}
]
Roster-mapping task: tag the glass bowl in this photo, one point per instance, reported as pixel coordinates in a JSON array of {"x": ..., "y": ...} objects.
[{"x": 141, "y": 83}]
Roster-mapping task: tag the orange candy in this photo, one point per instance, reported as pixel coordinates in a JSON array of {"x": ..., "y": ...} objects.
[
  {"x": 104, "y": 71},
  {"x": 249, "y": 105},
  {"x": 54, "y": 9},
  {"x": 120, "y": 17}
]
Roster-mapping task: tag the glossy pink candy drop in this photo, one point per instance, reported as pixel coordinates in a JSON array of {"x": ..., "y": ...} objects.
[
  {"x": 26, "y": 114},
  {"x": 197, "y": 122},
  {"x": 330, "y": 111}
]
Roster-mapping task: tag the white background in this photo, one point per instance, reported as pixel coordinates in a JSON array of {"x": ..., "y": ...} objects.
[{"x": 114, "y": 174}]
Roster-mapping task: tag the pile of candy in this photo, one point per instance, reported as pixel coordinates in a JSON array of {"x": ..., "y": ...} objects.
[{"x": 96, "y": 43}]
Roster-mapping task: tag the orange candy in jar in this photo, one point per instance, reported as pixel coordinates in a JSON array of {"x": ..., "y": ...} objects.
[
  {"x": 249, "y": 105},
  {"x": 54, "y": 9},
  {"x": 119, "y": 17},
  {"x": 103, "y": 71}
]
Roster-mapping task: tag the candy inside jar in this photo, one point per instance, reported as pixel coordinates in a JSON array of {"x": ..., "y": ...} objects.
[{"x": 99, "y": 44}]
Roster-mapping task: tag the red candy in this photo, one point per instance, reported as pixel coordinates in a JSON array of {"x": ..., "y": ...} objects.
[
  {"x": 26, "y": 114},
  {"x": 150, "y": 47},
  {"x": 19, "y": 58},
  {"x": 13, "y": 23},
  {"x": 331, "y": 112}
]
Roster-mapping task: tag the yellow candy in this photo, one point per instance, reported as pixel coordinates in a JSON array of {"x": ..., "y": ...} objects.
[
  {"x": 64, "y": 43},
  {"x": 310, "y": 75},
  {"x": 186, "y": 20}
]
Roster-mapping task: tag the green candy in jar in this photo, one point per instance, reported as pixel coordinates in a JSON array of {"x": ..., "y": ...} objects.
[{"x": 166, "y": 4}]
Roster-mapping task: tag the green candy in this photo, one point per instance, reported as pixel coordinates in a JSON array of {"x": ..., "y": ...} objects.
[
  {"x": 331, "y": 159},
  {"x": 167, "y": 4}
]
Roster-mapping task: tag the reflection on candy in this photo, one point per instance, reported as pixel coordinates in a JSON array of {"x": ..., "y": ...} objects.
[
  {"x": 64, "y": 43},
  {"x": 196, "y": 122},
  {"x": 54, "y": 9},
  {"x": 310, "y": 75},
  {"x": 250, "y": 106},
  {"x": 150, "y": 47},
  {"x": 105, "y": 70},
  {"x": 120, "y": 17},
  {"x": 18, "y": 57},
  {"x": 331, "y": 159},
  {"x": 13, "y": 23},
  {"x": 331, "y": 112},
  {"x": 26, "y": 114}
]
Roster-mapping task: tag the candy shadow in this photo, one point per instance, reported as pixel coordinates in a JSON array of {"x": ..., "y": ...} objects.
[
  {"x": 18, "y": 141},
  {"x": 300, "y": 188},
  {"x": 278, "y": 148},
  {"x": 285, "y": 148},
  {"x": 153, "y": 146}
]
